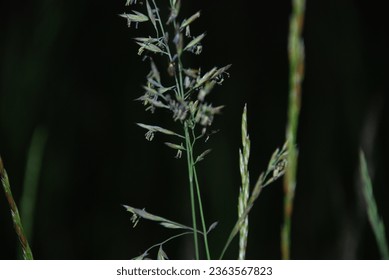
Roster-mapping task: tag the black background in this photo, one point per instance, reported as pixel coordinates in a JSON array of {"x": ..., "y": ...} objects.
[{"x": 71, "y": 67}]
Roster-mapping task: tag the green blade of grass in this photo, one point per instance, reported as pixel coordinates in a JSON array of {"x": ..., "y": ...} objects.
[
  {"x": 31, "y": 179},
  {"x": 372, "y": 210}
]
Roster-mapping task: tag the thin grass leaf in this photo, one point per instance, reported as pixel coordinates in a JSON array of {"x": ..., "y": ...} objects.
[
  {"x": 161, "y": 254},
  {"x": 372, "y": 209},
  {"x": 188, "y": 21},
  {"x": 194, "y": 42}
]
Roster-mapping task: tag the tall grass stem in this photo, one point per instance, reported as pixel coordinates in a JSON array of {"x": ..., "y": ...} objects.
[
  {"x": 27, "y": 253},
  {"x": 296, "y": 75}
]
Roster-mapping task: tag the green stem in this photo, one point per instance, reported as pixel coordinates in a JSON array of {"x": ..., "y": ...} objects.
[
  {"x": 296, "y": 74},
  {"x": 201, "y": 210},
  {"x": 192, "y": 199}
]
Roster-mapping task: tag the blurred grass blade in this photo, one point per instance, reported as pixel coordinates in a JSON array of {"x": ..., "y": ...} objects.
[
  {"x": 27, "y": 253},
  {"x": 372, "y": 210},
  {"x": 31, "y": 179},
  {"x": 296, "y": 56}
]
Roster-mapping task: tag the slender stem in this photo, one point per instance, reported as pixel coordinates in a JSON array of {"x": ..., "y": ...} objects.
[
  {"x": 201, "y": 210},
  {"x": 192, "y": 199},
  {"x": 296, "y": 68},
  {"x": 27, "y": 253}
]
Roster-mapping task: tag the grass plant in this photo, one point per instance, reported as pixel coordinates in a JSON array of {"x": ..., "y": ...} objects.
[{"x": 184, "y": 95}]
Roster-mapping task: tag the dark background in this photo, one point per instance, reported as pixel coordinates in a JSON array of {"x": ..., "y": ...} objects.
[{"x": 71, "y": 68}]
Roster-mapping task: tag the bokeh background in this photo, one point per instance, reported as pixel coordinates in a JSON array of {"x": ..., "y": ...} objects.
[{"x": 69, "y": 73}]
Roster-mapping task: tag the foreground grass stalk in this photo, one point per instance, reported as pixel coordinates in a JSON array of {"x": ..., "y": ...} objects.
[
  {"x": 192, "y": 199},
  {"x": 372, "y": 210},
  {"x": 205, "y": 233},
  {"x": 27, "y": 253},
  {"x": 296, "y": 68}
]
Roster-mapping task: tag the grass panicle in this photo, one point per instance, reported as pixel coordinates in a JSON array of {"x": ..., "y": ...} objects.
[
  {"x": 296, "y": 75},
  {"x": 244, "y": 156},
  {"x": 372, "y": 209},
  {"x": 27, "y": 253},
  {"x": 275, "y": 169}
]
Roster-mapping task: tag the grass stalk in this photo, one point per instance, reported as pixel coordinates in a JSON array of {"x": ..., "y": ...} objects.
[
  {"x": 372, "y": 209},
  {"x": 205, "y": 233},
  {"x": 27, "y": 253},
  {"x": 296, "y": 72},
  {"x": 191, "y": 186}
]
